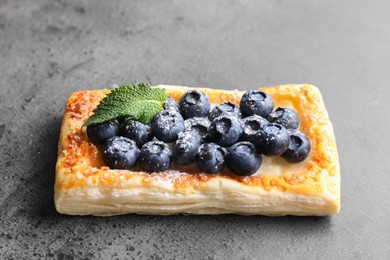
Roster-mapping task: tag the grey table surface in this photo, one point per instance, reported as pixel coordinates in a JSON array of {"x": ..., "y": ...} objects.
[{"x": 49, "y": 49}]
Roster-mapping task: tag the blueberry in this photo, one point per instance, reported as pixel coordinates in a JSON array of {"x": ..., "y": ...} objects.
[
  {"x": 186, "y": 148},
  {"x": 225, "y": 108},
  {"x": 251, "y": 128},
  {"x": 299, "y": 147},
  {"x": 225, "y": 130},
  {"x": 243, "y": 159},
  {"x": 274, "y": 139},
  {"x": 170, "y": 103},
  {"x": 287, "y": 117},
  {"x": 137, "y": 131},
  {"x": 167, "y": 125},
  {"x": 120, "y": 153},
  {"x": 194, "y": 103},
  {"x": 210, "y": 158},
  {"x": 155, "y": 156},
  {"x": 100, "y": 133},
  {"x": 255, "y": 102},
  {"x": 200, "y": 125}
]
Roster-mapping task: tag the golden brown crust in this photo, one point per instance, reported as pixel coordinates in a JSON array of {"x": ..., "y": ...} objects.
[{"x": 80, "y": 166}]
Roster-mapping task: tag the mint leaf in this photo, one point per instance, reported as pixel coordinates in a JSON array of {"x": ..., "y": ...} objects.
[{"x": 139, "y": 102}]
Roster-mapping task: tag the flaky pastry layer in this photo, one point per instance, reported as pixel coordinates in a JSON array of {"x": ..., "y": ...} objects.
[{"x": 85, "y": 186}]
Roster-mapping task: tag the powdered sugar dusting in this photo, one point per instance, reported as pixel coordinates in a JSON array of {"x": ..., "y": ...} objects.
[
  {"x": 169, "y": 120},
  {"x": 121, "y": 144},
  {"x": 197, "y": 124},
  {"x": 185, "y": 141}
]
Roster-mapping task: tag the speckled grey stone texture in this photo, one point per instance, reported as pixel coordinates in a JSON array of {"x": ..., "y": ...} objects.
[{"x": 49, "y": 49}]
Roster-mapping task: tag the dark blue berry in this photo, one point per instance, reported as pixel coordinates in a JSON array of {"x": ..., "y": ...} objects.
[
  {"x": 137, "y": 131},
  {"x": 298, "y": 149},
  {"x": 155, "y": 156},
  {"x": 186, "y": 148},
  {"x": 210, "y": 158},
  {"x": 170, "y": 103},
  {"x": 167, "y": 125},
  {"x": 200, "y": 125},
  {"x": 194, "y": 103},
  {"x": 287, "y": 117},
  {"x": 120, "y": 153},
  {"x": 243, "y": 159},
  {"x": 251, "y": 128},
  {"x": 274, "y": 139},
  {"x": 100, "y": 133},
  {"x": 255, "y": 102},
  {"x": 225, "y": 108},
  {"x": 225, "y": 130}
]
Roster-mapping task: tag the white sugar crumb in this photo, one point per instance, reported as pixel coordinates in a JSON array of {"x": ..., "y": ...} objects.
[{"x": 171, "y": 177}]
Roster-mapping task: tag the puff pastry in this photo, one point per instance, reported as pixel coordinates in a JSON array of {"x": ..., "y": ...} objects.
[{"x": 85, "y": 186}]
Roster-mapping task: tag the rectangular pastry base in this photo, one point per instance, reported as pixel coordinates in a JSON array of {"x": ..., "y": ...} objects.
[{"x": 84, "y": 186}]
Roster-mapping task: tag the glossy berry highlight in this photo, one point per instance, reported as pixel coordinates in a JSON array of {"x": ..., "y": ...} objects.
[
  {"x": 167, "y": 125},
  {"x": 210, "y": 158},
  {"x": 100, "y": 133},
  {"x": 243, "y": 159},
  {"x": 155, "y": 156},
  {"x": 255, "y": 102},
  {"x": 298, "y": 149},
  {"x": 194, "y": 103},
  {"x": 287, "y": 117}
]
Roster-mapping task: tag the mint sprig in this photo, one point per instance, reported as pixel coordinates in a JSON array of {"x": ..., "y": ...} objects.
[{"x": 139, "y": 102}]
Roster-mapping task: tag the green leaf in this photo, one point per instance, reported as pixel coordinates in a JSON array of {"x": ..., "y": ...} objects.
[{"x": 139, "y": 102}]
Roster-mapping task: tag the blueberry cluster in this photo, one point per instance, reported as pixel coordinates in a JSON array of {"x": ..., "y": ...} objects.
[{"x": 227, "y": 135}]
